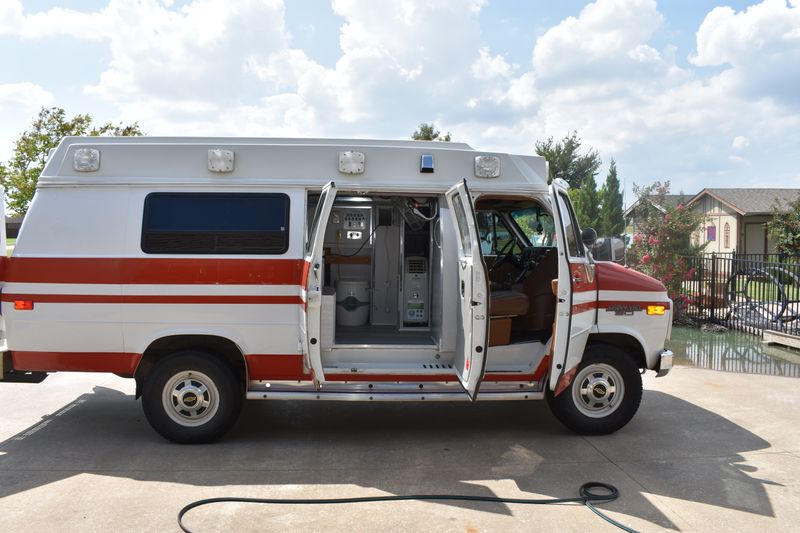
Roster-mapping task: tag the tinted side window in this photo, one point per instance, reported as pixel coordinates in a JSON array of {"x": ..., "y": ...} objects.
[{"x": 215, "y": 223}]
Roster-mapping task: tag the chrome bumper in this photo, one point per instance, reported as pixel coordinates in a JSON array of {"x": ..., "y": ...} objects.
[{"x": 664, "y": 363}]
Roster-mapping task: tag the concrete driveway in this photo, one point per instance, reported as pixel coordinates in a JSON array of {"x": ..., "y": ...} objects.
[{"x": 708, "y": 451}]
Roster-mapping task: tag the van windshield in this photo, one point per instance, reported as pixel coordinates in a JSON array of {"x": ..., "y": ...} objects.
[{"x": 537, "y": 224}]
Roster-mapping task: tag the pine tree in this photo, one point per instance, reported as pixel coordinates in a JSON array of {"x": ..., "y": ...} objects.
[
  {"x": 586, "y": 203},
  {"x": 566, "y": 160},
  {"x": 612, "y": 222},
  {"x": 428, "y": 132}
]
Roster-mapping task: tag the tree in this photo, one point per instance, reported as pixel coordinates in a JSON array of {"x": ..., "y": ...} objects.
[
  {"x": 428, "y": 132},
  {"x": 566, "y": 161},
  {"x": 612, "y": 221},
  {"x": 586, "y": 203},
  {"x": 662, "y": 241},
  {"x": 784, "y": 228},
  {"x": 21, "y": 174}
]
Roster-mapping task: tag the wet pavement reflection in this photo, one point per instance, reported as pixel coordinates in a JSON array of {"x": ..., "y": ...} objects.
[{"x": 732, "y": 351}]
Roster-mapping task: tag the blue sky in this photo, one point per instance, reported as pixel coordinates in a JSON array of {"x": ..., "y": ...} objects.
[{"x": 700, "y": 93}]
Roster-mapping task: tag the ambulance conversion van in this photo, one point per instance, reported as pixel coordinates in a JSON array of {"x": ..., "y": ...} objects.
[{"x": 217, "y": 270}]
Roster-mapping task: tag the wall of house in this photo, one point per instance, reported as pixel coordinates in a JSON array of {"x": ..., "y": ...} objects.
[
  {"x": 755, "y": 247},
  {"x": 727, "y": 232}
]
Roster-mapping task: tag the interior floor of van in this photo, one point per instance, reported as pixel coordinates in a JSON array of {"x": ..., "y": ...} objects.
[{"x": 388, "y": 335}]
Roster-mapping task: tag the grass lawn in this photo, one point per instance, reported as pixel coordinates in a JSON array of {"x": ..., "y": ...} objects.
[
  {"x": 766, "y": 291},
  {"x": 10, "y": 245}
]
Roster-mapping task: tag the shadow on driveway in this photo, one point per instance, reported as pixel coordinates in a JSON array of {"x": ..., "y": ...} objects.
[{"x": 402, "y": 449}]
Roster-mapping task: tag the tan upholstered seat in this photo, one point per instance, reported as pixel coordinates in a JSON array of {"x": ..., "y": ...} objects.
[{"x": 508, "y": 303}]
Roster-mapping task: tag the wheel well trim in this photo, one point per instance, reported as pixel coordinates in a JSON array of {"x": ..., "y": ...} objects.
[
  {"x": 631, "y": 340},
  {"x": 190, "y": 333}
]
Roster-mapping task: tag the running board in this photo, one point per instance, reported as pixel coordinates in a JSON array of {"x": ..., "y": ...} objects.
[{"x": 391, "y": 392}]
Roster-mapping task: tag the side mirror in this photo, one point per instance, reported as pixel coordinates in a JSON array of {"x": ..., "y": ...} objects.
[{"x": 589, "y": 237}]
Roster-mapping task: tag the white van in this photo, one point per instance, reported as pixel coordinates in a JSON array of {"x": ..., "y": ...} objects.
[{"x": 212, "y": 270}]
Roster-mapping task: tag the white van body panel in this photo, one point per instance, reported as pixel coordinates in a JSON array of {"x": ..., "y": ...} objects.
[{"x": 98, "y": 302}]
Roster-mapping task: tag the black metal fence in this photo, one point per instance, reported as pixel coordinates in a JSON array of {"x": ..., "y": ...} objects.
[{"x": 749, "y": 292}]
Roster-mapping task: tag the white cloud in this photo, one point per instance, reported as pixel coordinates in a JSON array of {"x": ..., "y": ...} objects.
[
  {"x": 54, "y": 22},
  {"x": 215, "y": 67},
  {"x": 26, "y": 95},
  {"x": 740, "y": 142},
  {"x": 487, "y": 67},
  {"x": 607, "y": 36},
  {"x": 760, "y": 45}
]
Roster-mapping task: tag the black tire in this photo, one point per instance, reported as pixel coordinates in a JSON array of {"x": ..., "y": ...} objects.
[
  {"x": 599, "y": 410},
  {"x": 204, "y": 394}
]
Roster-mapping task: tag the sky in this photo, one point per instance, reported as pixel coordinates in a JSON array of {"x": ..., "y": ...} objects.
[{"x": 700, "y": 93}]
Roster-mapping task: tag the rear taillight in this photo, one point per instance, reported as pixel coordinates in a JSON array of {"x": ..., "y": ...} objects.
[{"x": 23, "y": 305}]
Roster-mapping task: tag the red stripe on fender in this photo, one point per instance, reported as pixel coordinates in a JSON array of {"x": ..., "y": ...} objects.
[
  {"x": 565, "y": 380},
  {"x": 275, "y": 366},
  {"x": 120, "y": 363},
  {"x": 166, "y": 271},
  {"x": 152, "y": 299}
]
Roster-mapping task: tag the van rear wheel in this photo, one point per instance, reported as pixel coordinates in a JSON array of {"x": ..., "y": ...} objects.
[
  {"x": 191, "y": 397},
  {"x": 604, "y": 395}
]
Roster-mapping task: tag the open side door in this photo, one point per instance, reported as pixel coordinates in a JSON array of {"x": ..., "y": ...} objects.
[
  {"x": 576, "y": 298},
  {"x": 473, "y": 318},
  {"x": 314, "y": 282}
]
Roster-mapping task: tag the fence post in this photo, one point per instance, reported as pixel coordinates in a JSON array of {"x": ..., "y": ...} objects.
[
  {"x": 713, "y": 285},
  {"x": 701, "y": 279}
]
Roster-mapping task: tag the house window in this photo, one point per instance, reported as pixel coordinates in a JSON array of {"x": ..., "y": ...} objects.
[
  {"x": 711, "y": 233},
  {"x": 215, "y": 223},
  {"x": 726, "y": 235}
]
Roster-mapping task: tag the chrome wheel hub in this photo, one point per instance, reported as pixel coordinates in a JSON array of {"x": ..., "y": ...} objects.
[
  {"x": 598, "y": 390},
  {"x": 190, "y": 398}
]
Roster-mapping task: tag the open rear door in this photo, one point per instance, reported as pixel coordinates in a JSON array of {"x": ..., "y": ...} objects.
[
  {"x": 473, "y": 318},
  {"x": 314, "y": 282},
  {"x": 576, "y": 307}
]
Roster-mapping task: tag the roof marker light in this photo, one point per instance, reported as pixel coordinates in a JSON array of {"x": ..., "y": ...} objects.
[
  {"x": 426, "y": 163},
  {"x": 220, "y": 160},
  {"x": 351, "y": 162},
  {"x": 86, "y": 160},
  {"x": 487, "y": 166}
]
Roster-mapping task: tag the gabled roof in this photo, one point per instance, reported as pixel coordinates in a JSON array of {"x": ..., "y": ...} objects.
[
  {"x": 749, "y": 201},
  {"x": 670, "y": 200}
]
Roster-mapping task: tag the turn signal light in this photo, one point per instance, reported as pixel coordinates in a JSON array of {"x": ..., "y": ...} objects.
[
  {"x": 656, "y": 309},
  {"x": 23, "y": 305}
]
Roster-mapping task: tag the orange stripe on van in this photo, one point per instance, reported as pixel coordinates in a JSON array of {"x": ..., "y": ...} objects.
[{"x": 156, "y": 271}]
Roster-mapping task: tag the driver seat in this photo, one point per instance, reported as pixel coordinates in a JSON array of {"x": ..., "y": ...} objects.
[
  {"x": 503, "y": 306},
  {"x": 508, "y": 303}
]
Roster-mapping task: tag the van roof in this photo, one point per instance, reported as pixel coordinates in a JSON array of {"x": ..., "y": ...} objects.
[{"x": 389, "y": 164}]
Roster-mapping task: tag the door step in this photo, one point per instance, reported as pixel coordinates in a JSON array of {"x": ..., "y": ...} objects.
[{"x": 391, "y": 391}]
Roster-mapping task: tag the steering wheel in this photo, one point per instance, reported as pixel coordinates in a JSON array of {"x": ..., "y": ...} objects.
[
  {"x": 530, "y": 258},
  {"x": 504, "y": 255}
]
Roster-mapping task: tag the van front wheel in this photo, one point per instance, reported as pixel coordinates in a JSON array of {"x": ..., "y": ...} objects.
[
  {"x": 604, "y": 395},
  {"x": 191, "y": 397}
]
